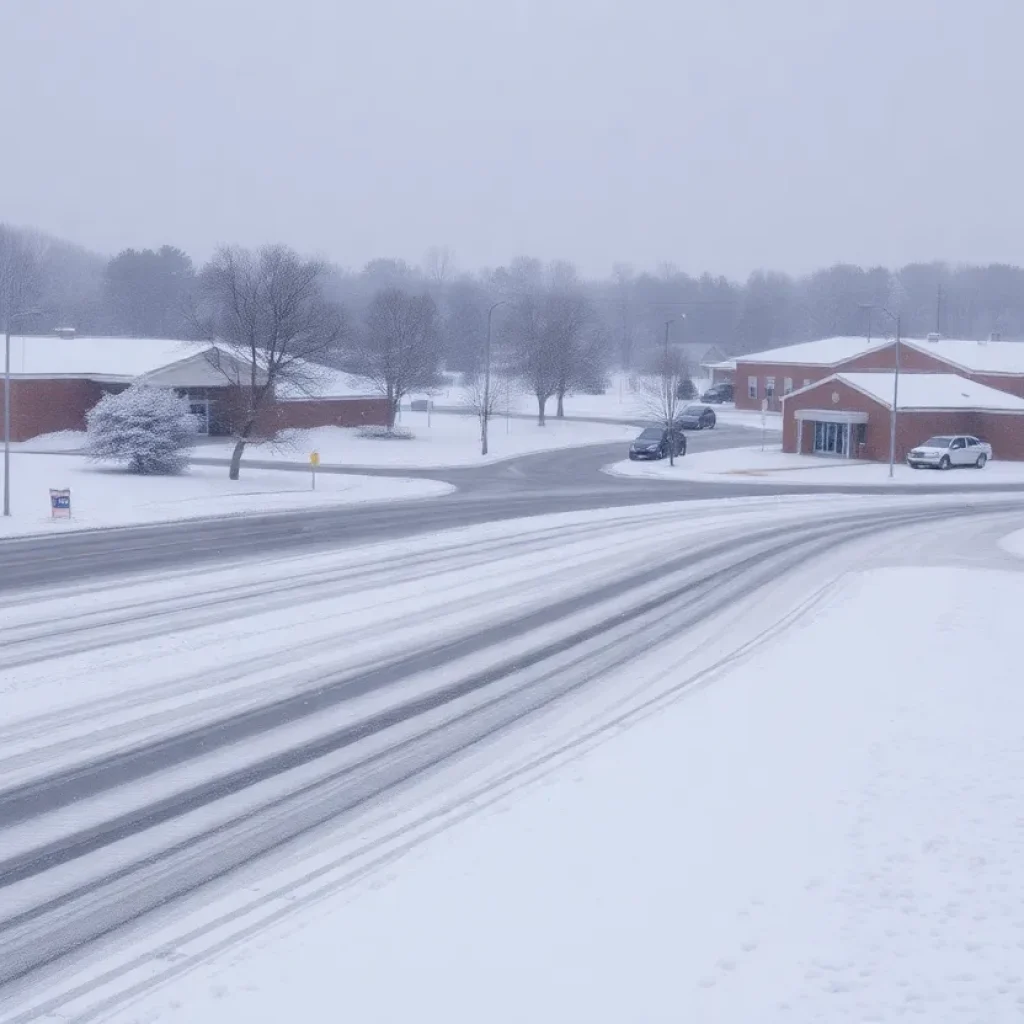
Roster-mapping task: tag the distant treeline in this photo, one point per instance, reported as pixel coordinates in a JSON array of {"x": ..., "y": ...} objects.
[{"x": 149, "y": 293}]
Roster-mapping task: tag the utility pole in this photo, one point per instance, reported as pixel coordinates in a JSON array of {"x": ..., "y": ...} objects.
[
  {"x": 485, "y": 412},
  {"x": 895, "y": 403},
  {"x": 7, "y": 419},
  {"x": 11, "y": 318}
]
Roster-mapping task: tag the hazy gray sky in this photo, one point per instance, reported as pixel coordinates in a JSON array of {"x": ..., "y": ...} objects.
[{"x": 722, "y": 135}]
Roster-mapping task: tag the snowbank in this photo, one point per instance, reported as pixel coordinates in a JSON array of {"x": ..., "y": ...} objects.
[
  {"x": 775, "y": 467},
  {"x": 111, "y": 497},
  {"x": 830, "y": 832}
]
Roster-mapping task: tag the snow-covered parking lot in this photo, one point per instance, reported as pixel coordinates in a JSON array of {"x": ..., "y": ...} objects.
[
  {"x": 104, "y": 496},
  {"x": 772, "y": 466}
]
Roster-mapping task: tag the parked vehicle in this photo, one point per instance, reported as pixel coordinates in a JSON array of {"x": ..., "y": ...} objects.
[
  {"x": 697, "y": 417},
  {"x": 718, "y": 393},
  {"x": 658, "y": 443},
  {"x": 946, "y": 451}
]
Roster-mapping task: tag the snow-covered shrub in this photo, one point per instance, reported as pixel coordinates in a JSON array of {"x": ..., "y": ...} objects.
[
  {"x": 386, "y": 433},
  {"x": 149, "y": 429}
]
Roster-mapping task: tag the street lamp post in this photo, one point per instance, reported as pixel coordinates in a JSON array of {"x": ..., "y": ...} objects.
[
  {"x": 11, "y": 318},
  {"x": 485, "y": 413},
  {"x": 895, "y": 402},
  {"x": 894, "y": 411}
]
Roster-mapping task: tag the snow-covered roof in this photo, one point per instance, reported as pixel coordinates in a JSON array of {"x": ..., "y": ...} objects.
[
  {"x": 823, "y": 352},
  {"x": 927, "y": 391},
  {"x": 1005, "y": 357},
  {"x": 994, "y": 357},
  {"x": 326, "y": 382},
  {"x": 164, "y": 362},
  {"x": 114, "y": 359}
]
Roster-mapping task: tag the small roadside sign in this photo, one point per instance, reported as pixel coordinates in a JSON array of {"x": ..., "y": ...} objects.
[
  {"x": 60, "y": 503},
  {"x": 314, "y": 461}
]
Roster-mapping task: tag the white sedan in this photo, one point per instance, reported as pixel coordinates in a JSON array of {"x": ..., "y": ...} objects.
[{"x": 946, "y": 451}]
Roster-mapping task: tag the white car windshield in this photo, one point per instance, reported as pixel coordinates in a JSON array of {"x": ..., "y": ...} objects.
[{"x": 937, "y": 442}]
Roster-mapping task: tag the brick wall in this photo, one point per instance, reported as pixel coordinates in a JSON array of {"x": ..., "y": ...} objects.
[
  {"x": 1005, "y": 432},
  {"x": 44, "y": 406},
  {"x": 779, "y": 371},
  {"x": 333, "y": 412}
]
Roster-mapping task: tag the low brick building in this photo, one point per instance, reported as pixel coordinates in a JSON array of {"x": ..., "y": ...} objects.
[
  {"x": 55, "y": 381},
  {"x": 773, "y": 374},
  {"x": 848, "y": 415}
]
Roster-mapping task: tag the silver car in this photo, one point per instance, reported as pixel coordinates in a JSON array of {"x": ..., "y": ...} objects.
[{"x": 948, "y": 450}]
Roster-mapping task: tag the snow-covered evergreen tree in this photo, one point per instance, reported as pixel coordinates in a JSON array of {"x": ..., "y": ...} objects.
[{"x": 149, "y": 429}]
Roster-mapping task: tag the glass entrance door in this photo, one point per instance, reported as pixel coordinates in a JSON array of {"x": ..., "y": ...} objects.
[{"x": 831, "y": 438}]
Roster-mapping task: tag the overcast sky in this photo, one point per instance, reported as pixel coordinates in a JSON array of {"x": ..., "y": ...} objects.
[{"x": 723, "y": 135}]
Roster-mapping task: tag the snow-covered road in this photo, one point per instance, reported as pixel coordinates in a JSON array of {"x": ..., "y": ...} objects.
[{"x": 160, "y": 733}]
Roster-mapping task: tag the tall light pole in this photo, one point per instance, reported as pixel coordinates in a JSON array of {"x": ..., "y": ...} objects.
[
  {"x": 485, "y": 413},
  {"x": 894, "y": 411},
  {"x": 11, "y": 318}
]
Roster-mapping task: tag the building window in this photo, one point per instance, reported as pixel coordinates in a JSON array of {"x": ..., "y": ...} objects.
[
  {"x": 751, "y": 387},
  {"x": 861, "y": 436},
  {"x": 787, "y": 385},
  {"x": 769, "y": 387}
]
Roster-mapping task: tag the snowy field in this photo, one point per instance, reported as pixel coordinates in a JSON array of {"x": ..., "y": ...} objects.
[
  {"x": 773, "y": 466},
  {"x": 102, "y": 496},
  {"x": 440, "y": 440},
  {"x": 623, "y": 400},
  {"x": 806, "y": 808}
]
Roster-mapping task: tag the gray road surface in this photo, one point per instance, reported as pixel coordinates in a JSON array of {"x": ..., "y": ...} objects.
[
  {"x": 115, "y": 868},
  {"x": 557, "y": 481}
]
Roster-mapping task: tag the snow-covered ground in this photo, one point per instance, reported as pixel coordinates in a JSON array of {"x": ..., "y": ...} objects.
[
  {"x": 103, "y": 496},
  {"x": 440, "y": 440},
  {"x": 1014, "y": 543},
  {"x": 623, "y": 400},
  {"x": 827, "y": 831},
  {"x": 806, "y": 809},
  {"x": 773, "y": 466}
]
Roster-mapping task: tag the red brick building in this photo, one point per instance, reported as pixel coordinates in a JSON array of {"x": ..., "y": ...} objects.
[
  {"x": 55, "y": 381},
  {"x": 774, "y": 374},
  {"x": 848, "y": 414}
]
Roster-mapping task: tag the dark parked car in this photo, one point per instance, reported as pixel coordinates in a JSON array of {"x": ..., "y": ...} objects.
[
  {"x": 696, "y": 417},
  {"x": 657, "y": 443},
  {"x": 719, "y": 393}
]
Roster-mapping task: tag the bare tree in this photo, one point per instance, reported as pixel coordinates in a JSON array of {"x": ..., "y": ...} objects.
[
  {"x": 439, "y": 264},
  {"x": 400, "y": 347},
  {"x": 568, "y": 316},
  {"x": 659, "y": 392},
  {"x": 267, "y": 309},
  {"x": 482, "y": 401},
  {"x": 532, "y": 355}
]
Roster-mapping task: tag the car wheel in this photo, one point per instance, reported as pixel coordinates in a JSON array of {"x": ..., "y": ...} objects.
[
  {"x": 632, "y": 456},
  {"x": 982, "y": 459},
  {"x": 944, "y": 462}
]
